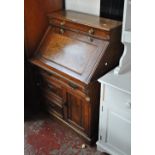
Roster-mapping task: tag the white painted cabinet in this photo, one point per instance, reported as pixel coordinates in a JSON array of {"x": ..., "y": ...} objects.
[
  {"x": 115, "y": 102},
  {"x": 115, "y": 119}
]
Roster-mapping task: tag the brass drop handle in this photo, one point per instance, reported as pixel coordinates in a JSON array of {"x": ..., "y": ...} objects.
[
  {"x": 62, "y": 29},
  {"x": 72, "y": 85}
]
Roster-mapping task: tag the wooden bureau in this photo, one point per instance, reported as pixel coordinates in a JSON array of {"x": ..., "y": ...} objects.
[{"x": 75, "y": 51}]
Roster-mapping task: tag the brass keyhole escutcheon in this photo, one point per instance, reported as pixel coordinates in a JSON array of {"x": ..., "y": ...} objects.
[
  {"x": 62, "y": 23},
  {"x": 91, "y": 32}
]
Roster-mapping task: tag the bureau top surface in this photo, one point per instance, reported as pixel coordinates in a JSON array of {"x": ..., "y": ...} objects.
[{"x": 86, "y": 19}]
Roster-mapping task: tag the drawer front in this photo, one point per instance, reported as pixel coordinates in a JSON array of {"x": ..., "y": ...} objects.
[
  {"x": 53, "y": 88},
  {"x": 53, "y": 108},
  {"x": 53, "y": 98},
  {"x": 79, "y": 27},
  {"x": 65, "y": 32},
  {"x": 58, "y": 84},
  {"x": 115, "y": 97},
  {"x": 90, "y": 39}
]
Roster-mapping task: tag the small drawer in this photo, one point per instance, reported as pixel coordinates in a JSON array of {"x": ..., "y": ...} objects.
[
  {"x": 61, "y": 82},
  {"x": 52, "y": 97},
  {"x": 52, "y": 85},
  {"x": 89, "y": 39},
  {"x": 55, "y": 88},
  {"x": 53, "y": 78},
  {"x": 53, "y": 108},
  {"x": 57, "y": 22},
  {"x": 82, "y": 28},
  {"x": 84, "y": 37},
  {"x": 65, "y": 32},
  {"x": 116, "y": 97}
]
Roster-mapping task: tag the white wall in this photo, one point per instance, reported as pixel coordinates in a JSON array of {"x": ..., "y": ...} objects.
[{"x": 86, "y": 6}]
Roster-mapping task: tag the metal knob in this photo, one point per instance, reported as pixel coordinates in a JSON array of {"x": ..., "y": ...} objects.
[
  {"x": 62, "y": 31},
  {"x": 87, "y": 99},
  {"x": 128, "y": 104},
  {"x": 106, "y": 64}
]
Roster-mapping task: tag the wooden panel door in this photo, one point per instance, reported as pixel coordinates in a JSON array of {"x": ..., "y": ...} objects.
[
  {"x": 78, "y": 113},
  {"x": 115, "y": 121}
]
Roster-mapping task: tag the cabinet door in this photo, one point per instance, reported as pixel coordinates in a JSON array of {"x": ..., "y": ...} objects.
[
  {"x": 78, "y": 112},
  {"x": 116, "y": 130}
]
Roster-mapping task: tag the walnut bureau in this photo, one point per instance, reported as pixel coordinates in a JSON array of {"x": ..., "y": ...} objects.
[{"x": 75, "y": 51}]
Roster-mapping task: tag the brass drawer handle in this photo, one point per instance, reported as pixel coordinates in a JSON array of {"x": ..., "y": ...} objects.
[
  {"x": 62, "y": 25},
  {"x": 74, "y": 86},
  {"x": 62, "y": 31}
]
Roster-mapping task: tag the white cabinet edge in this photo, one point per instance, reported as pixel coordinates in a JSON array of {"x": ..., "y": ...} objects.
[{"x": 120, "y": 81}]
